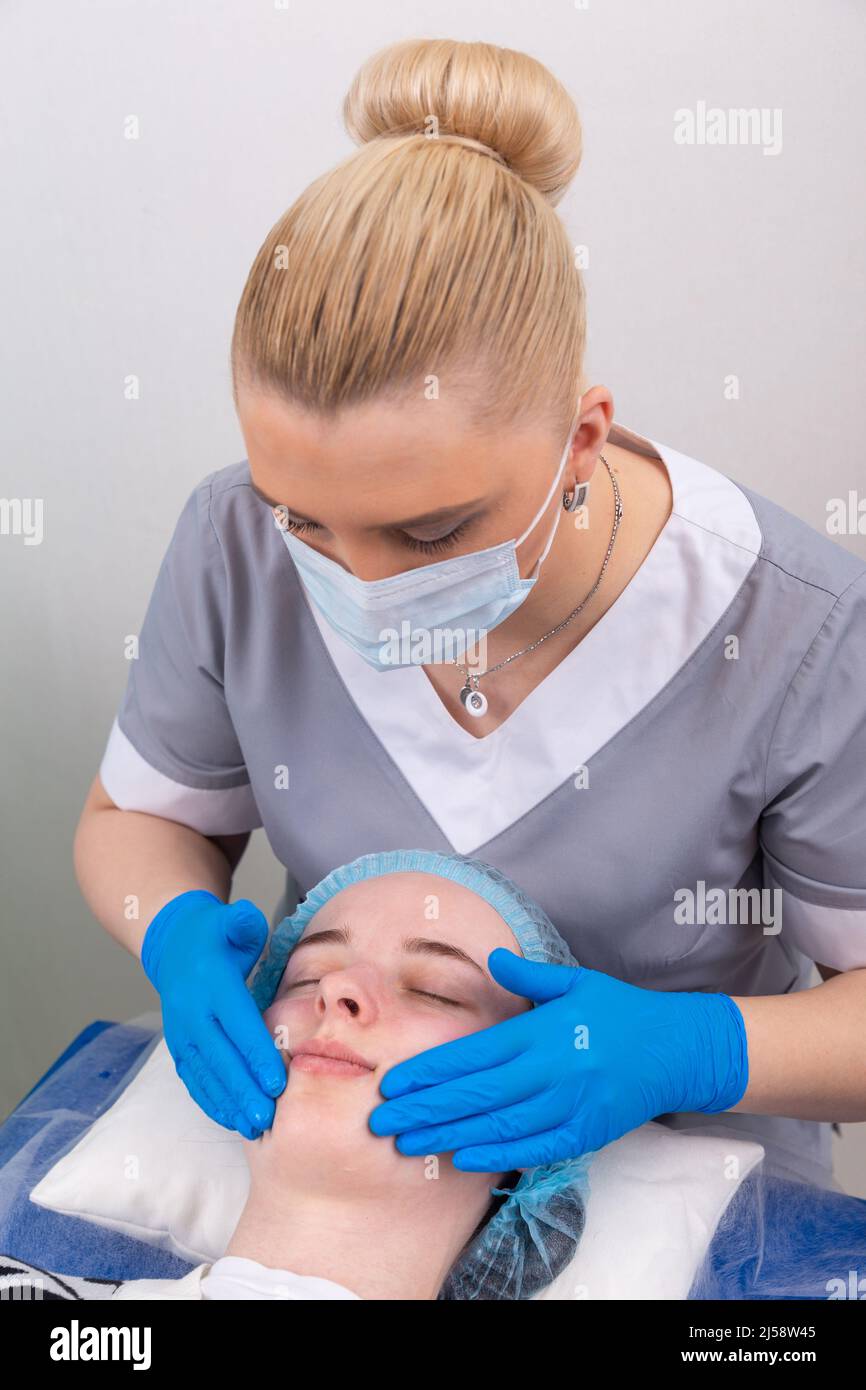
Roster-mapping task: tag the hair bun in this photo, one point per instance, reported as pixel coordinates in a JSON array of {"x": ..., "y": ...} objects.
[{"x": 498, "y": 96}]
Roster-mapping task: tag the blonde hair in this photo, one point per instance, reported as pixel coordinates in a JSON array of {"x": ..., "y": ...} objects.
[{"x": 420, "y": 256}]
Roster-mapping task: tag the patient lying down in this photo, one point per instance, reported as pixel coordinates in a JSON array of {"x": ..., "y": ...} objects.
[{"x": 388, "y": 966}]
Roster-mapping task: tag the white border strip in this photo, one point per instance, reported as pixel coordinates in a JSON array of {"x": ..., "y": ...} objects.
[{"x": 134, "y": 785}]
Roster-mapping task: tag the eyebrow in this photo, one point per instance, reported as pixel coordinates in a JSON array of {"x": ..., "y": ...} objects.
[
  {"x": 413, "y": 945},
  {"x": 428, "y": 519}
]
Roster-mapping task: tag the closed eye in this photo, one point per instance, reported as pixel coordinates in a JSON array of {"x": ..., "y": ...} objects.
[
  {"x": 424, "y": 993},
  {"x": 441, "y": 542},
  {"x": 299, "y": 528},
  {"x": 303, "y": 528},
  {"x": 440, "y": 998}
]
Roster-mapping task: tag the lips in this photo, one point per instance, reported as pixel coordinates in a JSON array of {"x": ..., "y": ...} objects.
[{"x": 329, "y": 1059}]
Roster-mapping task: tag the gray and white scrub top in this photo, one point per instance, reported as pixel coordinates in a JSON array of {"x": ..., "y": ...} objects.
[{"x": 708, "y": 735}]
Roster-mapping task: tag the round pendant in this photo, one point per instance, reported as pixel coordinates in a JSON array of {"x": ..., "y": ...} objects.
[{"x": 475, "y": 702}]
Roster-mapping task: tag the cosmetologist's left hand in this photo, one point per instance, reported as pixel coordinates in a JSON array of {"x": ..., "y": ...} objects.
[{"x": 594, "y": 1059}]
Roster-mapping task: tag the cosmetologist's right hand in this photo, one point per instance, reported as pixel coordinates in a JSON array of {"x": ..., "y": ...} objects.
[{"x": 197, "y": 953}]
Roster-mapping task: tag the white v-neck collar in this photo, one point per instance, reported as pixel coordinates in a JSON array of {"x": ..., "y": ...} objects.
[{"x": 474, "y": 788}]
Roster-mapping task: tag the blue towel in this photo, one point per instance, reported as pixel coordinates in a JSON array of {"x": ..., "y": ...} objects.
[{"x": 786, "y": 1240}]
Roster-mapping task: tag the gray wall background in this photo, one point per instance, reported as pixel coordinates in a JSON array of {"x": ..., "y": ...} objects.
[{"x": 128, "y": 256}]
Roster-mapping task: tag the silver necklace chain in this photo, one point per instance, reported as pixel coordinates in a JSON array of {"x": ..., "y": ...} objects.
[{"x": 470, "y": 687}]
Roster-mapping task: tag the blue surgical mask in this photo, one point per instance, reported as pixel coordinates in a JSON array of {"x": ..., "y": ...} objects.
[{"x": 431, "y": 613}]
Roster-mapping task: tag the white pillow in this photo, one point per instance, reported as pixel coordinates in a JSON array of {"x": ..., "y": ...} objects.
[
  {"x": 656, "y": 1197},
  {"x": 155, "y": 1167}
]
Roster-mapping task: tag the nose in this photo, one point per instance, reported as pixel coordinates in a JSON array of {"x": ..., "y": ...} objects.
[
  {"x": 350, "y": 993},
  {"x": 370, "y": 561}
]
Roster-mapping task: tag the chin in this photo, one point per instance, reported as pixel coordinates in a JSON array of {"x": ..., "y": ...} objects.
[
  {"x": 323, "y": 1120},
  {"x": 321, "y": 1136}
]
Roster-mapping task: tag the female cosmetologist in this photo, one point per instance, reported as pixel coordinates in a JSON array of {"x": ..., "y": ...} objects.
[{"x": 662, "y": 699}]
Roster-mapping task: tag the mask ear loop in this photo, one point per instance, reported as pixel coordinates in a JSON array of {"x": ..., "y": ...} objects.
[{"x": 546, "y": 503}]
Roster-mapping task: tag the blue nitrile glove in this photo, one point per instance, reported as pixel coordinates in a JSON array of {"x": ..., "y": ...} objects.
[
  {"x": 594, "y": 1059},
  {"x": 197, "y": 953}
]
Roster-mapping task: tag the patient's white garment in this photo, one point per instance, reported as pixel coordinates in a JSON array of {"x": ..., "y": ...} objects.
[
  {"x": 238, "y": 1278},
  {"x": 235, "y": 1278}
]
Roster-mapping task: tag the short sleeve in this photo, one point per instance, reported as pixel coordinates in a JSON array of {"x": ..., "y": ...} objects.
[
  {"x": 813, "y": 829},
  {"x": 173, "y": 750}
]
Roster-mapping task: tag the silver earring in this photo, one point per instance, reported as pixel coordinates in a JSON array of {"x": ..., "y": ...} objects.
[{"x": 577, "y": 498}]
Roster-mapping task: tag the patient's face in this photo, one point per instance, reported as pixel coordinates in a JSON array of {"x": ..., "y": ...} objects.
[{"x": 385, "y": 969}]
